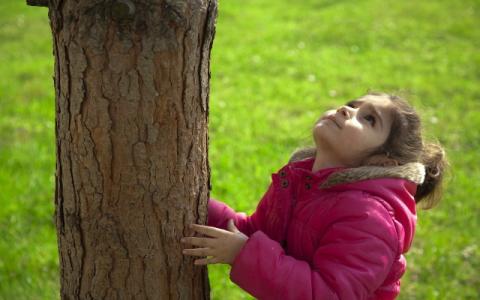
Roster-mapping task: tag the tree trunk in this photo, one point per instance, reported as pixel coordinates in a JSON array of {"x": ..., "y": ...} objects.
[{"x": 132, "y": 89}]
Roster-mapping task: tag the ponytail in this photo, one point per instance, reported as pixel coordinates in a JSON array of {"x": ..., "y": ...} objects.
[{"x": 430, "y": 191}]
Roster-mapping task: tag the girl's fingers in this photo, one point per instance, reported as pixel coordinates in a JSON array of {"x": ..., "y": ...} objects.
[
  {"x": 231, "y": 226},
  {"x": 207, "y": 230},
  {"x": 197, "y": 252},
  {"x": 207, "y": 261},
  {"x": 197, "y": 241}
]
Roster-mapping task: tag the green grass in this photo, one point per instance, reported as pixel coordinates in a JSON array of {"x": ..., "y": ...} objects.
[{"x": 276, "y": 65}]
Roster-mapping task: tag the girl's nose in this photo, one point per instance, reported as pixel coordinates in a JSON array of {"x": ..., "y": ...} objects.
[{"x": 344, "y": 111}]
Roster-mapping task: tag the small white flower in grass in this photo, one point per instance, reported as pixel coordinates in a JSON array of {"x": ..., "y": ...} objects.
[
  {"x": 434, "y": 120},
  {"x": 469, "y": 251},
  {"x": 256, "y": 59},
  {"x": 311, "y": 77},
  {"x": 301, "y": 45},
  {"x": 332, "y": 93}
]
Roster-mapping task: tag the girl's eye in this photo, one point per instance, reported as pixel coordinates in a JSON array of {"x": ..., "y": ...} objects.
[
  {"x": 370, "y": 119},
  {"x": 351, "y": 105}
]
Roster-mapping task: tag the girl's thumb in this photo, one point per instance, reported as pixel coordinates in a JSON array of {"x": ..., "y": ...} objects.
[{"x": 231, "y": 226}]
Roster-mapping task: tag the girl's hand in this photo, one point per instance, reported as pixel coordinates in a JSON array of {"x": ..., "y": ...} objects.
[{"x": 221, "y": 246}]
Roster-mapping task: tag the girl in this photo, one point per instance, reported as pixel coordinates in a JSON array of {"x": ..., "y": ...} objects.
[{"x": 337, "y": 219}]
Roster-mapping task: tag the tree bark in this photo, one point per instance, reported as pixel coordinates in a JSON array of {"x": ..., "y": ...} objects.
[{"x": 132, "y": 92}]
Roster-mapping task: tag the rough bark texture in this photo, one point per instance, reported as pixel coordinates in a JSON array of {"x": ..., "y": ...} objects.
[{"x": 132, "y": 86}]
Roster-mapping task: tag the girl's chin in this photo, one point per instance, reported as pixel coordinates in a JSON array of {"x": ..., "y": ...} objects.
[
  {"x": 319, "y": 140},
  {"x": 322, "y": 132}
]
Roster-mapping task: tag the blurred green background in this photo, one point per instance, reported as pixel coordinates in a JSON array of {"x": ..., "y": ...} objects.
[{"x": 276, "y": 66}]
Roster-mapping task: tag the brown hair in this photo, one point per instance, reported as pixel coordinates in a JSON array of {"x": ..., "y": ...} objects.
[{"x": 405, "y": 144}]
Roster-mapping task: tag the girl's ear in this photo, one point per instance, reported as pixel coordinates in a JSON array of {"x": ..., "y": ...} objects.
[{"x": 380, "y": 160}]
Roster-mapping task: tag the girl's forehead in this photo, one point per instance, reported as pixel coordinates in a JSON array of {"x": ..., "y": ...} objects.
[{"x": 378, "y": 102}]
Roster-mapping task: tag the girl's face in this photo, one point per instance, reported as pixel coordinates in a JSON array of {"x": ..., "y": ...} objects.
[{"x": 351, "y": 133}]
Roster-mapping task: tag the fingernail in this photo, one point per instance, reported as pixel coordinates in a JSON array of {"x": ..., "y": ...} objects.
[{"x": 182, "y": 240}]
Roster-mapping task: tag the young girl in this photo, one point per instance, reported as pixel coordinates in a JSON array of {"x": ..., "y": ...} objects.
[{"x": 337, "y": 219}]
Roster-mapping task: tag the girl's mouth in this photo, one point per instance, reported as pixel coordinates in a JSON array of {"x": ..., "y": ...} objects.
[{"x": 332, "y": 118}]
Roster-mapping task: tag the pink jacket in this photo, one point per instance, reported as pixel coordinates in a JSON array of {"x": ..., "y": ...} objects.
[{"x": 334, "y": 234}]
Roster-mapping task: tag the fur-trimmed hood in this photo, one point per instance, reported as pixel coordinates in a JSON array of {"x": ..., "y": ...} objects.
[{"x": 414, "y": 172}]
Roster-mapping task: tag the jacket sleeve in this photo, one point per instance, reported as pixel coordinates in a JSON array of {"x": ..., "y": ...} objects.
[
  {"x": 352, "y": 259},
  {"x": 219, "y": 213}
]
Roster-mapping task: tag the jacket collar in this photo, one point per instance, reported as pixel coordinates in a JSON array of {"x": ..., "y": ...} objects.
[{"x": 414, "y": 172}]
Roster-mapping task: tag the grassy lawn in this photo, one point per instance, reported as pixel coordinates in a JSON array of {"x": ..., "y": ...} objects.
[{"x": 276, "y": 65}]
